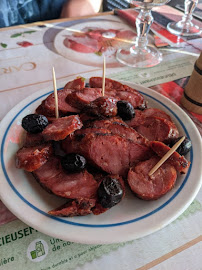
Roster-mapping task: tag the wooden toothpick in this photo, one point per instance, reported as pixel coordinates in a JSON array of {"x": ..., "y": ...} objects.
[
  {"x": 166, "y": 156},
  {"x": 55, "y": 94},
  {"x": 103, "y": 77}
]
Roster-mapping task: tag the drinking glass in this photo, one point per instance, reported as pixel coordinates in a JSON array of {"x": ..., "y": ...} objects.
[
  {"x": 141, "y": 54},
  {"x": 185, "y": 27}
]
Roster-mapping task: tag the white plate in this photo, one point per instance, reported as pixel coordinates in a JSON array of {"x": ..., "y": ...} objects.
[{"x": 131, "y": 219}]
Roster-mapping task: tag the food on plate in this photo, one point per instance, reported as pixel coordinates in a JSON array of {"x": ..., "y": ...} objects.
[
  {"x": 154, "y": 186},
  {"x": 32, "y": 158},
  {"x": 73, "y": 162},
  {"x": 98, "y": 146},
  {"x": 60, "y": 128},
  {"x": 110, "y": 192},
  {"x": 125, "y": 110},
  {"x": 34, "y": 123}
]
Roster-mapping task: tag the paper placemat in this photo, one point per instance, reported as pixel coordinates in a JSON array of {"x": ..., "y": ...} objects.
[{"x": 22, "y": 247}]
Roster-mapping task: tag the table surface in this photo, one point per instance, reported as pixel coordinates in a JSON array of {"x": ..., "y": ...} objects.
[{"x": 27, "y": 54}]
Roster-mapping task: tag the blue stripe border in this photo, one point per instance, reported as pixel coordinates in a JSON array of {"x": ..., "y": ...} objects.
[{"x": 92, "y": 225}]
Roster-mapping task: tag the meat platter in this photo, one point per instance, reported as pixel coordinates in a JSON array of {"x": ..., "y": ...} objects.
[{"x": 131, "y": 217}]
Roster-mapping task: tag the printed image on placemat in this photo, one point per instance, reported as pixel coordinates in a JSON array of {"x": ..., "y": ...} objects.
[{"x": 86, "y": 43}]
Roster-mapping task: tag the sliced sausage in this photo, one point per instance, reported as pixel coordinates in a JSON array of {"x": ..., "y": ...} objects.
[
  {"x": 80, "y": 207},
  {"x": 32, "y": 158},
  {"x": 111, "y": 153},
  {"x": 137, "y": 99},
  {"x": 140, "y": 116},
  {"x": 68, "y": 185},
  {"x": 60, "y": 128},
  {"x": 179, "y": 162},
  {"x": 33, "y": 139},
  {"x": 120, "y": 129},
  {"x": 102, "y": 106},
  {"x": 154, "y": 186},
  {"x": 79, "y": 99},
  {"x": 48, "y": 105},
  {"x": 76, "y": 84},
  {"x": 158, "y": 129}
]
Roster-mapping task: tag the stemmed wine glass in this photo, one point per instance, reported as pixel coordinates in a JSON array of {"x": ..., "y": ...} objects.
[
  {"x": 185, "y": 27},
  {"x": 142, "y": 55}
]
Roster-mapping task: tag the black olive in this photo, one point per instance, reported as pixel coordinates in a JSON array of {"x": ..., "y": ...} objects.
[
  {"x": 184, "y": 147},
  {"x": 125, "y": 110},
  {"x": 110, "y": 192},
  {"x": 34, "y": 123},
  {"x": 87, "y": 85},
  {"x": 73, "y": 162}
]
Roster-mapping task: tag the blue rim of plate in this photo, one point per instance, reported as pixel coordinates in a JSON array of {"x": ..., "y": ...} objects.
[{"x": 62, "y": 220}]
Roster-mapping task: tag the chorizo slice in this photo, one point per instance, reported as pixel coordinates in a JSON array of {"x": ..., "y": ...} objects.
[
  {"x": 158, "y": 129},
  {"x": 133, "y": 96},
  {"x": 140, "y": 116},
  {"x": 102, "y": 106},
  {"x": 178, "y": 161},
  {"x": 111, "y": 153},
  {"x": 76, "y": 84},
  {"x": 121, "y": 129},
  {"x": 60, "y": 128},
  {"x": 47, "y": 106},
  {"x": 54, "y": 179},
  {"x": 151, "y": 187},
  {"x": 32, "y": 158},
  {"x": 80, "y": 207},
  {"x": 79, "y": 99},
  {"x": 33, "y": 139}
]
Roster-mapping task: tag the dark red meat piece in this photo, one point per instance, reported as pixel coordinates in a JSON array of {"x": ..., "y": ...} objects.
[
  {"x": 48, "y": 105},
  {"x": 158, "y": 129},
  {"x": 111, "y": 153},
  {"x": 79, "y": 99},
  {"x": 41, "y": 110},
  {"x": 96, "y": 82},
  {"x": 84, "y": 206},
  {"x": 76, "y": 84},
  {"x": 80, "y": 207},
  {"x": 53, "y": 178},
  {"x": 95, "y": 130},
  {"x": 154, "y": 186},
  {"x": 102, "y": 123},
  {"x": 179, "y": 162},
  {"x": 98, "y": 209},
  {"x": 32, "y": 158},
  {"x": 60, "y": 128},
  {"x": 136, "y": 99},
  {"x": 140, "y": 116},
  {"x": 102, "y": 106},
  {"x": 120, "y": 129},
  {"x": 33, "y": 139}
]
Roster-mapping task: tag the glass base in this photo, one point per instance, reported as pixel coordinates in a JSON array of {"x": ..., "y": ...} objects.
[
  {"x": 183, "y": 29},
  {"x": 140, "y": 58}
]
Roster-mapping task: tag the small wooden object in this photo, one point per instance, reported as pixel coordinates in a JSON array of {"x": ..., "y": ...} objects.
[
  {"x": 103, "y": 77},
  {"x": 192, "y": 97},
  {"x": 55, "y": 94},
  {"x": 166, "y": 156}
]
